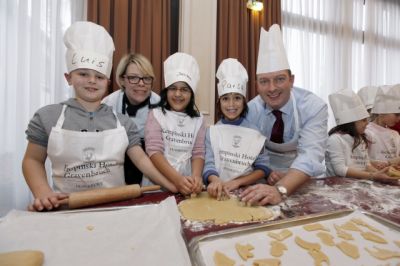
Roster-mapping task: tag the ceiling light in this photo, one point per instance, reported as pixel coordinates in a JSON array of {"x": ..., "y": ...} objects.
[{"x": 255, "y": 5}]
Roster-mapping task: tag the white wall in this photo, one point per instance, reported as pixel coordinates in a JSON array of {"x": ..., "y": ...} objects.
[{"x": 197, "y": 36}]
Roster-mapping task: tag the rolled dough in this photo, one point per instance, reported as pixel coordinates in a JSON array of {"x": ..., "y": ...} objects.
[{"x": 206, "y": 208}]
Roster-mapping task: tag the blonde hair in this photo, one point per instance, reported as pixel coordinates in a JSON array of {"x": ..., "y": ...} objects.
[{"x": 139, "y": 60}]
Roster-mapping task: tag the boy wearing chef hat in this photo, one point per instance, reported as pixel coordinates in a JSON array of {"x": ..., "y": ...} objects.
[
  {"x": 175, "y": 130},
  {"x": 347, "y": 146},
  {"x": 385, "y": 142},
  {"x": 84, "y": 139},
  {"x": 293, "y": 120},
  {"x": 233, "y": 134}
]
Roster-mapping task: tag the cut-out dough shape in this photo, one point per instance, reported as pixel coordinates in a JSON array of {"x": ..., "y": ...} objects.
[
  {"x": 315, "y": 227},
  {"x": 397, "y": 242},
  {"x": 244, "y": 251},
  {"x": 206, "y": 208},
  {"x": 306, "y": 245},
  {"x": 326, "y": 238},
  {"x": 277, "y": 248},
  {"x": 282, "y": 235},
  {"x": 342, "y": 234},
  {"x": 349, "y": 249},
  {"x": 267, "y": 262},
  {"x": 383, "y": 254},
  {"x": 373, "y": 237},
  {"x": 362, "y": 223},
  {"x": 22, "y": 257},
  {"x": 350, "y": 226},
  {"x": 319, "y": 257},
  {"x": 220, "y": 259}
]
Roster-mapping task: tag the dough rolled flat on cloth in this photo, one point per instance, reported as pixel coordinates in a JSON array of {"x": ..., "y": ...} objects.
[{"x": 22, "y": 258}]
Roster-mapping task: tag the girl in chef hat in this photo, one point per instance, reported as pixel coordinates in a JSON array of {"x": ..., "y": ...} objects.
[
  {"x": 175, "y": 130},
  {"x": 385, "y": 142},
  {"x": 347, "y": 147},
  {"x": 234, "y": 147},
  {"x": 84, "y": 139}
]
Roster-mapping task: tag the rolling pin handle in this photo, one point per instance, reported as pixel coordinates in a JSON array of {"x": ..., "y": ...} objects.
[{"x": 150, "y": 188}]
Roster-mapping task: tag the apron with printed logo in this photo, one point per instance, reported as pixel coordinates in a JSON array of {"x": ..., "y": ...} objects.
[
  {"x": 86, "y": 160},
  {"x": 179, "y": 133},
  {"x": 282, "y": 155},
  {"x": 235, "y": 149},
  {"x": 385, "y": 143}
]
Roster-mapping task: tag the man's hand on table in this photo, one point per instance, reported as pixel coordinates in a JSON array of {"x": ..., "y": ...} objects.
[{"x": 261, "y": 194}]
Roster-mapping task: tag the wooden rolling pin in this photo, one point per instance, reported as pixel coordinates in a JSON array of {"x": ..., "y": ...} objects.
[{"x": 105, "y": 195}]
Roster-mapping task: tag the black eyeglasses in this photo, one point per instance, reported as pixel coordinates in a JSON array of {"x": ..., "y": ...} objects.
[{"x": 136, "y": 79}]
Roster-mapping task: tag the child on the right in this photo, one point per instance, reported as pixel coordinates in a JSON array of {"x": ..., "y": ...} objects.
[
  {"x": 347, "y": 147},
  {"x": 385, "y": 142}
]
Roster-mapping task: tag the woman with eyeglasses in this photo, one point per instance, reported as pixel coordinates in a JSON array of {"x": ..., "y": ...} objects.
[{"x": 135, "y": 76}]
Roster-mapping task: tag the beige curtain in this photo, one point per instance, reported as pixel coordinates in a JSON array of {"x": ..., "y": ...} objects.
[
  {"x": 238, "y": 33},
  {"x": 140, "y": 26}
]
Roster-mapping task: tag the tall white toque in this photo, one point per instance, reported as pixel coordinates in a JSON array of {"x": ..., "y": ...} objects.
[
  {"x": 387, "y": 100},
  {"x": 232, "y": 77},
  {"x": 181, "y": 67},
  {"x": 347, "y": 107},
  {"x": 367, "y": 95},
  {"x": 89, "y": 46},
  {"x": 271, "y": 52}
]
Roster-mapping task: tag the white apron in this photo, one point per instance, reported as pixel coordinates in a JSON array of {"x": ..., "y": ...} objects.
[
  {"x": 86, "y": 160},
  {"x": 179, "y": 133},
  {"x": 235, "y": 149},
  {"x": 282, "y": 155},
  {"x": 385, "y": 144}
]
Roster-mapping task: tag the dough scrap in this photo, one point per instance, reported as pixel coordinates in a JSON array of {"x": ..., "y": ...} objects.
[
  {"x": 319, "y": 257},
  {"x": 350, "y": 226},
  {"x": 282, "y": 235},
  {"x": 267, "y": 262},
  {"x": 315, "y": 227},
  {"x": 22, "y": 257},
  {"x": 373, "y": 237},
  {"x": 90, "y": 227},
  {"x": 220, "y": 259},
  {"x": 349, "y": 249},
  {"x": 326, "y": 238},
  {"x": 206, "y": 208},
  {"x": 306, "y": 245},
  {"x": 383, "y": 254},
  {"x": 342, "y": 234},
  {"x": 277, "y": 248},
  {"x": 359, "y": 221},
  {"x": 244, "y": 251}
]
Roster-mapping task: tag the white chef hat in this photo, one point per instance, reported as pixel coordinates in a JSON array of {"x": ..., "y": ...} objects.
[
  {"x": 367, "y": 95},
  {"x": 347, "y": 107},
  {"x": 387, "y": 100},
  {"x": 89, "y": 46},
  {"x": 271, "y": 52},
  {"x": 232, "y": 77},
  {"x": 181, "y": 67}
]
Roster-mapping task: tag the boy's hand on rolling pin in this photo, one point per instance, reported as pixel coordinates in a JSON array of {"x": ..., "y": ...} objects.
[{"x": 47, "y": 201}]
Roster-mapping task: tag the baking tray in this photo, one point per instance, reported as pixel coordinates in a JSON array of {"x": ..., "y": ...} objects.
[{"x": 199, "y": 246}]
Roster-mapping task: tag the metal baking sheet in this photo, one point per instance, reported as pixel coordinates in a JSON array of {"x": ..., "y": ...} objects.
[{"x": 201, "y": 249}]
